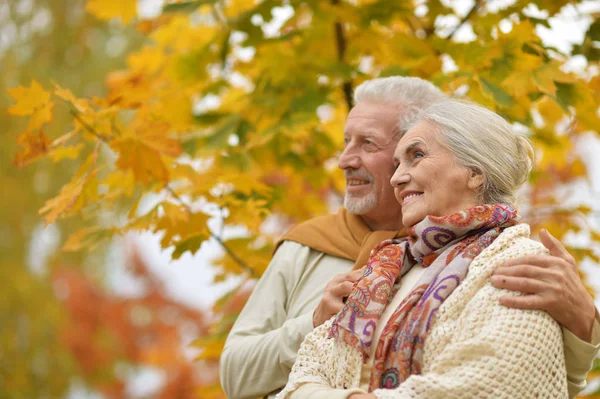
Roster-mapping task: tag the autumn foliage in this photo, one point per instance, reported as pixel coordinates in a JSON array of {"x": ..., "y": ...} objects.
[{"x": 230, "y": 114}]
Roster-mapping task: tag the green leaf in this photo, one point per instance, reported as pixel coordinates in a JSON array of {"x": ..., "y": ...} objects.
[
  {"x": 499, "y": 95},
  {"x": 383, "y": 11},
  {"x": 565, "y": 95},
  {"x": 394, "y": 70},
  {"x": 191, "y": 244},
  {"x": 185, "y": 6},
  {"x": 210, "y": 118},
  {"x": 594, "y": 31}
]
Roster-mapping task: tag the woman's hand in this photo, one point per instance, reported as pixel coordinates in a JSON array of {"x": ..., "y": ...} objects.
[{"x": 362, "y": 396}]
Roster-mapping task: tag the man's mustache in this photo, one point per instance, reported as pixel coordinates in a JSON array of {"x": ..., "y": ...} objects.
[{"x": 358, "y": 174}]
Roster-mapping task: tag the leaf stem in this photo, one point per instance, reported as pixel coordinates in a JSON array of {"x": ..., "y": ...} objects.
[{"x": 89, "y": 128}]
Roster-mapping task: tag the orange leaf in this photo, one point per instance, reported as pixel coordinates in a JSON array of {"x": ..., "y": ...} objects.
[
  {"x": 36, "y": 146},
  {"x": 145, "y": 162}
]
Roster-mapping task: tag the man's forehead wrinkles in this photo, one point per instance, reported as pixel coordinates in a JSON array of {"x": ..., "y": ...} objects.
[{"x": 361, "y": 133}]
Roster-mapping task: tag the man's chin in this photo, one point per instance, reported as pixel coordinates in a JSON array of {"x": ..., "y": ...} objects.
[{"x": 359, "y": 206}]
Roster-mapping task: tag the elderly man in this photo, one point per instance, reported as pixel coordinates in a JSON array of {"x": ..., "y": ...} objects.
[{"x": 317, "y": 262}]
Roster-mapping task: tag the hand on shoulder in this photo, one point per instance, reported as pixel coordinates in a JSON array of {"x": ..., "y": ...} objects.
[{"x": 551, "y": 283}]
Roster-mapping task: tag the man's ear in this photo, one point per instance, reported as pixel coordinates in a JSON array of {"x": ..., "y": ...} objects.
[{"x": 476, "y": 180}]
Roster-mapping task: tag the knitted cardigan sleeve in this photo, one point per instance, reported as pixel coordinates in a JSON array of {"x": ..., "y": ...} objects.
[
  {"x": 320, "y": 361},
  {"x": 476, "y": 348}
]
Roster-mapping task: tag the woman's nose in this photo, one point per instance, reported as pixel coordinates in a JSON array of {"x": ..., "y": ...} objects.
[{"x": 399, "y": 178}]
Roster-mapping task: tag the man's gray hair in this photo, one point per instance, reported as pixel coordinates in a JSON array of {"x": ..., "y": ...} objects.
[
  {"x": 483, "y": 141},
  {"x": 411, "y": 94}
]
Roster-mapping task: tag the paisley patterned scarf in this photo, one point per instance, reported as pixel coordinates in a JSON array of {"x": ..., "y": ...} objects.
[{"x": 445, "y": 246}]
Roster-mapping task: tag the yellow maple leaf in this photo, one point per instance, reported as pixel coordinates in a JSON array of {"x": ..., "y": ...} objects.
[
  {"x": 64, "y": 202},
  {"x": 145, "y": 162},
  {"x": 66, "y": 152},
  {"x": 29, "y": 99},
  {"x": 156, "y": 136},
  {"x": 148, "y": 59},
  {"x": 109, "y": 9},
  {"x": 40, "y": 116},
  {"x": 36, "y": 146},
  {"x": 87, "y": 237}
]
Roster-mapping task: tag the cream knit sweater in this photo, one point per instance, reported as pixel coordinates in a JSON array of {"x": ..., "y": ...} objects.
[{"x": 476, "y": 347}]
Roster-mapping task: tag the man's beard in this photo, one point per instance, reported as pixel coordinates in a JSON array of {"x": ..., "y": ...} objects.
[
  {"x": 363, "y": 204},
  {"x": 360, "y": 205}
]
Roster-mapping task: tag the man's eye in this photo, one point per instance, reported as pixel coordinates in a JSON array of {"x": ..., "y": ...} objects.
[{"x": 418, "y": 154}]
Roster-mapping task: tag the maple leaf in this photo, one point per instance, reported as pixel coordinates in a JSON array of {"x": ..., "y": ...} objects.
[
  {"x": 145, "y": 163},
  {"x": 66, "y": 200},
  {"x": 65, "y": 152},
  {"x": 142, "y": 151},
  {"x": 29, "y": 99},
  {"x": 36, "y": 146},
  {"x": 109, "y": 9}
]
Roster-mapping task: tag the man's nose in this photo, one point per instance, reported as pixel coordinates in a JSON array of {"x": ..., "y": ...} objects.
[{"x": 349, "y": 159}]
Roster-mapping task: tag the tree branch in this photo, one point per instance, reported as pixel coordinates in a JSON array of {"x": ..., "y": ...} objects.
[
  {"x": 89, "y": 128},
  {"x": 228, "y": 250},
  {"x": 464, "y": 20},
  {"x": 341, "y": 44}
]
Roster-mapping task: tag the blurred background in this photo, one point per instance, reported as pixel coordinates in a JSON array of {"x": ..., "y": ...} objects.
[{"x": 119, "y": 317}]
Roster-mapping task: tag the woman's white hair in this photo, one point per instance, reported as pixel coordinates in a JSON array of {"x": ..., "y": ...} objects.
[
  {"x": 412, "y": 95},
  {"x": 484, "y": 142}
]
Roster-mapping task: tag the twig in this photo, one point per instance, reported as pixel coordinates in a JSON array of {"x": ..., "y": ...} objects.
[
  {"x": 464, "y": 20},
  {"x": 341, "y": 44},
  {"x": 228, "y": 250},
  {"x": 88, "y": 127}
]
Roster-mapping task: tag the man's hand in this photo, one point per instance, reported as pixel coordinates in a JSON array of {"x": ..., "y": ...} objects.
[
  {"x": 339, "y": 287},
  {"x": 553, "y": 285}
]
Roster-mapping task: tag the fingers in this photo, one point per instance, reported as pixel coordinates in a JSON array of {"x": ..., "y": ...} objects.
[
  {"x": 546, "y": 275},
  {"x": 525, "y": 285},
  {"x": 555, "y": 246},
  {"x": 537, "y": 260},
  {"x": 342, "y": 289},
  {"x": 534, "y": 302},
  {"x": 350, "y": 276}
]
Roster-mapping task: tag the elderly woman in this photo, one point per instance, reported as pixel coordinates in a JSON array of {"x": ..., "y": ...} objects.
[{"x": 424, "y": 321}]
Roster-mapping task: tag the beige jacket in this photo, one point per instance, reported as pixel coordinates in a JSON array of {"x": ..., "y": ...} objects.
[{"x": 262, "y": 345}]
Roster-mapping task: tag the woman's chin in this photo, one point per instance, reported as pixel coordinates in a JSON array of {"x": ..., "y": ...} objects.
[{"x": 409, "y": 221}]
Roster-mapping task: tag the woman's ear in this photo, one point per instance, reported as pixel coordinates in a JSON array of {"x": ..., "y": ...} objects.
[{"x": 476, "y": 180}]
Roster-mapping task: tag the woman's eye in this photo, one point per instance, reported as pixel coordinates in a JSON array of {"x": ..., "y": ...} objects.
[{"x": 418, "y": 154}]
